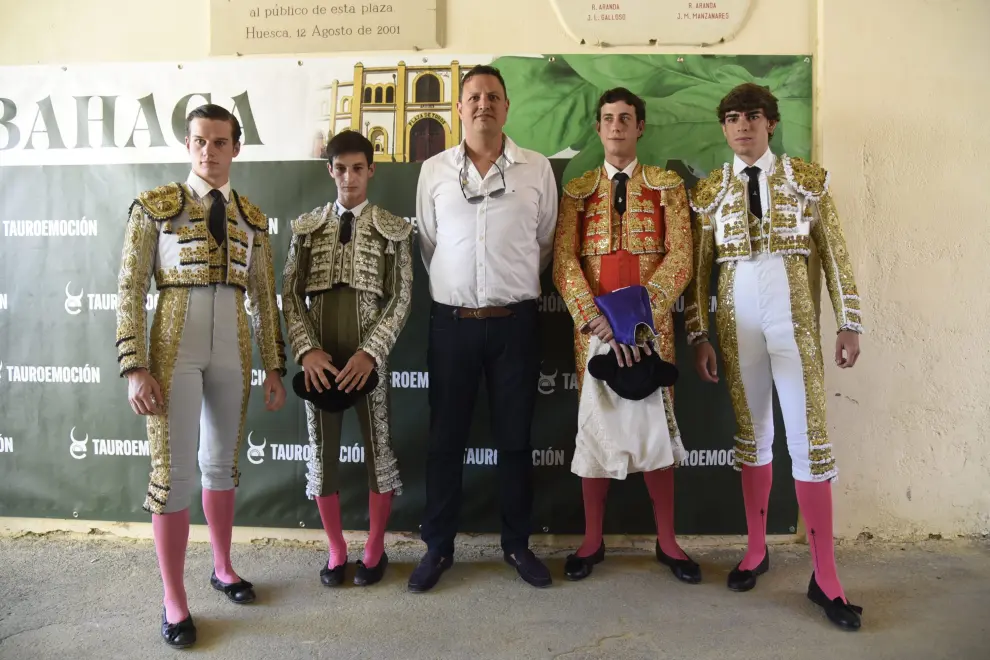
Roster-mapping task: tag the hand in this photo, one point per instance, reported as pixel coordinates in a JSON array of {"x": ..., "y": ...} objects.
[
  {"x": 623, "y": 353},
  {"x": 144, "y": 394},
  {"x": 846, "y": 349},
  {"x": 314, "y": 363},
  {"x": 355, "y": 372},
  {"x": 274, "y": 391},
  {"x": 705, "y": 362},
  {"x": 601, "y": 328}
]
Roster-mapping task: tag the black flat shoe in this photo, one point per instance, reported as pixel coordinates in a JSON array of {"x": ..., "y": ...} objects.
[
  {"x": 529, "y": 567},
  {"x": 332, "y": 577},
  {"x": 843, "y": 614},
  {"x": 426, "y": 575},
  {"x": 178, "y": 635},
  {"x": 239, "y": 592},
  {"x": 745, "y": 580},
  {"x": 367, "y": 576},
  {"x": 685, "y": 570},
  {"x": 578, "y": 568}
]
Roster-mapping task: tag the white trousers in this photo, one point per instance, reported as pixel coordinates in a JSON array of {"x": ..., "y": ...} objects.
[
  {"x": 207, "y": 397},
  {"x": 768, "y": 335}
]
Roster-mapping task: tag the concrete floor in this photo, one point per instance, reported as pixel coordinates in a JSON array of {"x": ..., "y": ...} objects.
[{"x": 65, "y": 597}]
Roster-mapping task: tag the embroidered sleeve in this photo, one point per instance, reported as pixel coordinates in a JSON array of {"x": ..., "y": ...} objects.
[
  {"x": 568, "y": 276},
  {"x": 398, "y": 301},
  {"x": 301, "y": 333},
  {"x": 674, "y": 273},
  {"x": 696, "y": 298},
  {"x": 133, "y": 281},
  {"x": 264, "y": 308},
  {"x": 839, "y": 279}
]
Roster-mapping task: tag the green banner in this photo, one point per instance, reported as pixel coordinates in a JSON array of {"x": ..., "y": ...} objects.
[{"x": 77, "y": 146}]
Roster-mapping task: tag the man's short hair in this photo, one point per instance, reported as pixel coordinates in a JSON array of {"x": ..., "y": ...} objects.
[
  {"x": 748, "y": 97},
  {"x": 214, "y": 111},
  {"x": 483, "y": 70},
  {"x": 621, "y": 94},
  {"x": 350, "y": 142}
]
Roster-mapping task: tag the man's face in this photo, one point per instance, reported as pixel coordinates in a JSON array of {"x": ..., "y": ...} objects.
[
  {"x": 748, "y": 133},
  {"x": 211, "y": 148},
  {"x": 351, "y": 173},
  {"x": 483, "y": 107},
  {"x": 619, "y": 130}
]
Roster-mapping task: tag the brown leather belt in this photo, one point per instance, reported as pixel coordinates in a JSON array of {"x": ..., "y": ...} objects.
[{"x": 482, "y": 312}]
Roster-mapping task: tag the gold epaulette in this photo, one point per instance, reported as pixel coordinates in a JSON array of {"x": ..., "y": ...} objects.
[
  {"x": 581, "y": 187},
  {"x": 810, "y": 179},
  {"x": 252, "y": 213},
  {"x": 309, "y": 222},
  {"x": 658, "y": 178},
  {"x": 162, "y": 203},
  {"x": 708, "y": 192},
  {"x": 390, "y": 226}
]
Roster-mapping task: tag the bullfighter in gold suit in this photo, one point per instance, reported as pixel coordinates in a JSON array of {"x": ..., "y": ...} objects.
[{"x": 624, "y": 224}]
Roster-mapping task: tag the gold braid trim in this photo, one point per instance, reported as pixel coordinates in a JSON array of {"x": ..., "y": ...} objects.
[
  {"x": 658, "y": 178},
  {"x": 708, "y": 192},
  {"x": 810, "y": 179},
  {"x": 392, "y": 227},
  {"x": 582, "y": 186},
  {"x": 162, "y": 203},
  {"x": 255, "y": 217}
]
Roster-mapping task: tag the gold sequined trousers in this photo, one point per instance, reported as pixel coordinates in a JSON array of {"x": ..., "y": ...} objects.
[
  {"x": 767, "y": 332},
  {"x": 200, "y": 353},
  {"x": 336, "y": 315}
]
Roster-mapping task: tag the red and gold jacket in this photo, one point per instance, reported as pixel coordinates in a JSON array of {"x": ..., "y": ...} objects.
[{"x": 596, "y": 251}]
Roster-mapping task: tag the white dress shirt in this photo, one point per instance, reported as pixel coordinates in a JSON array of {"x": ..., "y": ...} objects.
[
  {"x": 765, "y": 163},
  {"x": 202, "y": 188},
  {"x": 339, "y": 208},
  {"x": 490, "y": 253},
  {"x": 612, "y": 170}
]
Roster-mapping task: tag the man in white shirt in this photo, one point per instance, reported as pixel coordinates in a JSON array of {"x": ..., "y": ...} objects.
[
  {"x": 757, "y": 218},
  {"x": 487, "y": 211}
]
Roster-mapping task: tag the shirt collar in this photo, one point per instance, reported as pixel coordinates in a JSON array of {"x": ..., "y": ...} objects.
[
  {"x": 202, "y": 188},
  {"x": 511, "y": 152},
  {"x": 612, "y": 170},
  {"x": 339, "y": 208},
  {"x": 765, "y": 163}
]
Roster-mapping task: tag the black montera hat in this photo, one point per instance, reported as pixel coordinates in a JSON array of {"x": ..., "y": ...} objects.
[
  {"x": 333, "y": 399},
  {"x": 635, "y": 382}
]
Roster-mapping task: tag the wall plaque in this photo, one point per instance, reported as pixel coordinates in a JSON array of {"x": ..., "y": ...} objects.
[
  {"x": 652, "y": 22},
  {"x": 254, "y": 27}
]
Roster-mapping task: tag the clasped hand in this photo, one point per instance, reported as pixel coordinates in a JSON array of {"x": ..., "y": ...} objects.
[
  {"x": 625, "y": 355},
  {"x": 355, "y": 373}
]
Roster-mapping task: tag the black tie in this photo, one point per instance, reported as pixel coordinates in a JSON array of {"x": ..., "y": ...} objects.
[
  {"x": 755, "y": 205},
  {"x": 218, "y": 216},
  {"x": 346, "y": 224},
  {"x": 620, "y": 192}
]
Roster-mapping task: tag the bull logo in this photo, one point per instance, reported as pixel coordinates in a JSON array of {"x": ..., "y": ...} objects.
[
  {"x": 256, "y": 453},
  {"x": 73, "y": 304},
  {"x": 547, "y": 384},
  {"x": 77, "y": 448}
]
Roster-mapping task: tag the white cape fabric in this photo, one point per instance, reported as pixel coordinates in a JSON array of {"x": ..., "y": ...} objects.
[{"x": 617, "y": 436}]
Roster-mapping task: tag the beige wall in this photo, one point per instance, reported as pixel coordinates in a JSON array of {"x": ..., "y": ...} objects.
[{"x": 902, "y": 89}]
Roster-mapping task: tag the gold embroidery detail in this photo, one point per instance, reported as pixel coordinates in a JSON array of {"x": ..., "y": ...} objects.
[
  {"x": 380, "y": 337},
  {"x": 581, "y": 187},
  {"x": 251, "y": 213},
  {"x": 697, "y": 295},
  {"x": 190, "y": 255},
  {"x": 568, "y": 276},
  {"x": 674, "y": 274},
  {"x": 162, "y": 203},
  {"x": 392, "y": 227},
  {"x": 708, "y": 192},
  {"x": 260, "y": 284},
  {"x": 133, "y": 281},
  {"x": 839, "y": 278},
  {"x": 725, "y": 321},
  {"x": 166, "y": 332},
  {"x": 810, "y": 179},
  {"x": 806, "y": 337},
  {"x": 244, "y": 348},
  {"x": 192, "y": 232},
  {"x": 658, "y": 178}
]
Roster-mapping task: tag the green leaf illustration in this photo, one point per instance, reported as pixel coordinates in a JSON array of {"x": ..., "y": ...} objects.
[
  {"x": 654, "y": 75},
  {"x": 550, "y": 106}
]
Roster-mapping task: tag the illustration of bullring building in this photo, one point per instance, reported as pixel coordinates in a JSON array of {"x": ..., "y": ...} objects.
[{"x": 409, "y": 113}]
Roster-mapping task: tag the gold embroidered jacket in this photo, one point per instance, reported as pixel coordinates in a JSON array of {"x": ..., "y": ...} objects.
[
  {"x": 801, "y": 210},
  {"x": 656, "y": 227},
  {"x": 168, "y": 238},
  {"x": 377, "y": 262}
]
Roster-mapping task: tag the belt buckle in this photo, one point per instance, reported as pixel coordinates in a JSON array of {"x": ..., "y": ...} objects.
[{"x": 476, "y": 313}]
